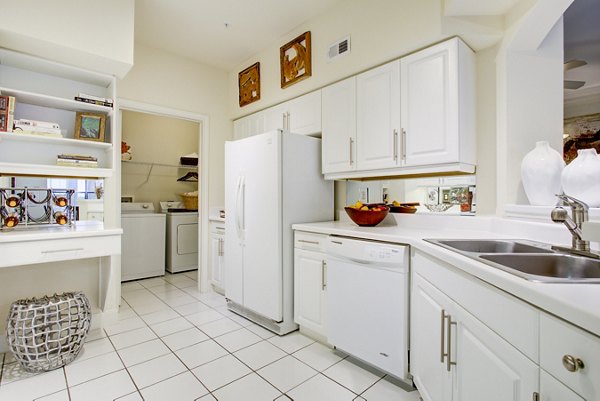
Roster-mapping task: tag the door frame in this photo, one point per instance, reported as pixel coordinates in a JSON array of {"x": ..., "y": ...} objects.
[{"x": 203, "y": 141}]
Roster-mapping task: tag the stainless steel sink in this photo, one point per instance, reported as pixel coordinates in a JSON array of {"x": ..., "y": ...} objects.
[
  {"x": 548, "y": 268},
  {"x": 492, "y": 246},
  {"x": 533, "y": 261}
]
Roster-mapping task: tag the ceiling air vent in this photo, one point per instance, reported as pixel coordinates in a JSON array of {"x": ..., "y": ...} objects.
[{"x": 339, "y": 48}]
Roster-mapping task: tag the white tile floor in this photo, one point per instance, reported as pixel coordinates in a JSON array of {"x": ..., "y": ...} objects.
[{"x": 172, "y": 343}]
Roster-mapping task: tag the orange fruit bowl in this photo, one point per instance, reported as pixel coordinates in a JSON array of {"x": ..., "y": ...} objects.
[{"x": 368, "y": 218}]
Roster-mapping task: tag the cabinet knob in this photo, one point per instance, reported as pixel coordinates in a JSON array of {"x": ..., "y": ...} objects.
[{"x": 572, "y": 364}]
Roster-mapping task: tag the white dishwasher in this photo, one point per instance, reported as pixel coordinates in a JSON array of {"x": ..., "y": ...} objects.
[{"x": 367, "y": 301}]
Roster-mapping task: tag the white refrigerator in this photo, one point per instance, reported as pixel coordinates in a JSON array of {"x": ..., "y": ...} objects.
[{"x": 272, "y": 181}]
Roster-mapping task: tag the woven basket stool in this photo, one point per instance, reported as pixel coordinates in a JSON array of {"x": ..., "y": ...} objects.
[{"x": 47, "y": 333}]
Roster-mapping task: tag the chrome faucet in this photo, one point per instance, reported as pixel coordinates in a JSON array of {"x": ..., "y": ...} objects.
[{"x": 579, "y": 211}]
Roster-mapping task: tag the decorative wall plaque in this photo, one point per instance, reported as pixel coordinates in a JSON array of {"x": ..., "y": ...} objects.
[
  {"x": 249, "y": 84},
  {"x": 295, "y": 60}
]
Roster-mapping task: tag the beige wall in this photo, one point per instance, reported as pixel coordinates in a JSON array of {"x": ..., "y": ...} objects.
[
  {"x": 380, "y": 30},
  {"x": 163, "y": 79},
  {"x": 160, "y": 140},
  {"x": 96, "y": 35}
]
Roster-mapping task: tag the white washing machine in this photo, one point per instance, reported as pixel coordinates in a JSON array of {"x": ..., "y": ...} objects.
[
  {"x": 182, "y": 237},
  {"x": 143, "y": 241}
]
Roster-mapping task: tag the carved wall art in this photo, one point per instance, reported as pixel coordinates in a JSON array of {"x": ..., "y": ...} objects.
[
  {"x": 295, "y": 60},
  {"x": 249, "y": 84}
]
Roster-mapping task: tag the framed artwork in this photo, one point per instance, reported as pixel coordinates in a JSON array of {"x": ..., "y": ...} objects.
[
  {"x": 90, "y": 126},
  {"x": 295, "y": 60},
  {"x": 580, "y": 132},
  {"x": 249, "y": 84}
]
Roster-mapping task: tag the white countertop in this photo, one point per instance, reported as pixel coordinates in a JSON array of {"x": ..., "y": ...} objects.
[
  {"x": 576, "y": 303},
  {"x": 79, "y": 230}
]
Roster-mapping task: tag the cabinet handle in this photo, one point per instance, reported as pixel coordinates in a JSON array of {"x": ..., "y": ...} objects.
[
  {"x": 62, "y": 250},
  {"x": 309, "y": 242},
  {"x": 284, "y": 121},
  {"x": 536, "y": 396},
  {"x": 221, "y": 243},
  {"x": 449, "y": 362},
  {"x": 403, "y": 145},
  {"x": 351, "y": 143},
  {"x": 442, "y": 335},
  {"x": 572, "y": 364},
  {"x": 323, "y": 275},
  {"x": 289, "y": 121},
  {"x": 395, "y": 145}
]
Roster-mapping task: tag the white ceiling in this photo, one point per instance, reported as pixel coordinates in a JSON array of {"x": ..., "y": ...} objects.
[
  {"x": 196, "y": 28},
  {"x": 477, "y": 7}
]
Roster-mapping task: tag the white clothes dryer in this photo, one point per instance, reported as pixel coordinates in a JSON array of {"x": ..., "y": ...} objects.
[{"x": 181, "y": 237}]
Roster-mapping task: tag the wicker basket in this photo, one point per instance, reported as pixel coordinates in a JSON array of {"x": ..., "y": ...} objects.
[
  {"x": 189, "y": 202},
  {"x": 47, "y": 333}
]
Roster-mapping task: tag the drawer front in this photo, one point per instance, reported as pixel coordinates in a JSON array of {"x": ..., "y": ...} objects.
[
  {"x": 310, "y": 241},
  {"x": 509, "y": 317},
  {"x": 217, "y": 227},
  {"x": 558, "y": 340},
  {"x": 30, "y": 252}
]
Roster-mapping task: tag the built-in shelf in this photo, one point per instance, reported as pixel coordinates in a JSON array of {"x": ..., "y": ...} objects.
[
  {"x": 141, "y": 163},
  {"x": 10, "y": 136},
  {"x": 43, "y": 170},
  {"x": 38, "y": 99}
]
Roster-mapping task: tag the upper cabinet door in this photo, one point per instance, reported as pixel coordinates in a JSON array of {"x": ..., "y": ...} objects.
[
  {"x": 248, "y": 126},
  {"x": 378, "y": 117},
  {"x": 339, "y": 127},
  {"x": 275, "y": 117},
  {"x": 437, "y": 105},
  {"x": 305, "y": 114}
]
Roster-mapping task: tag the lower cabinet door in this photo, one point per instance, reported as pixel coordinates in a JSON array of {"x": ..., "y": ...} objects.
[
  {"x": 216, "y": 261},
  {"x": 429, "y": 342},
  {"x": 487, "y": 367},
  {"x": 309, "y": 290},
  {"x": 553, "y": 390}
]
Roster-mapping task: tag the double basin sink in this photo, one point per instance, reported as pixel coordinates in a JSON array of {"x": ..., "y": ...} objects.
[{"x": 527, "y": 259}]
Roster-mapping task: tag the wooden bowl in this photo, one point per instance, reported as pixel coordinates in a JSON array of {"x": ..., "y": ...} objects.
[
  {"x": 404, "y": 208},
  {"x": 367, "y": 218}
]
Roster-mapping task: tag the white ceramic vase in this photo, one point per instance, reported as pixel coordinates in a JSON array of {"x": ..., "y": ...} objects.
[
  {"x": 581, "y": 178},
  {"x": 541, "y": 171}
]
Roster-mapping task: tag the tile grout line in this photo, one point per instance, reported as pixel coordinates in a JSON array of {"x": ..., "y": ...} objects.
[{"x": 66, "y": 382}]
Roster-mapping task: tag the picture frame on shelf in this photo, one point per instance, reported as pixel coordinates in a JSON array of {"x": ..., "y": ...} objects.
[
  {"x": 295, "y": 60},
  {"x": 90, "y": 126}
]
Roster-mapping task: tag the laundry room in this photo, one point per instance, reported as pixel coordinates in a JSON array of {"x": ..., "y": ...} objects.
[{"x": 159, "y": 194}]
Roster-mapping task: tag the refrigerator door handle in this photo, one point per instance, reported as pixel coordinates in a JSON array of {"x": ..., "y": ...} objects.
[
  {"x": 243, "y": 203},
  {"x": 237, "y": 207}
]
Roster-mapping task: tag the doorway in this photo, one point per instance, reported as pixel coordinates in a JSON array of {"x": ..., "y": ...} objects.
[{"x": 162, "y": 174}]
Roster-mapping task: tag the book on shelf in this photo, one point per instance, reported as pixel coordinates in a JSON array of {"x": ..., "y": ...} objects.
[
  {"x": 92, "y": 97},
  {"x": 7, "y": 113},
  {"x": 77, "y": 157},
  {"x": 76, "y": 163},
  {"x": 20, "y": 131},
  {"x": 36, "y": 123},
  {"x": 91, "y": 101}
]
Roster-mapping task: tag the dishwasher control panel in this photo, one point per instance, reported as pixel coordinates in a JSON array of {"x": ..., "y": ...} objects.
[{"x": 372, "y": 252}]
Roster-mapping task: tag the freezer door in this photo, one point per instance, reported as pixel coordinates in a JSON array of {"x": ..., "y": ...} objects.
[
  {"x": 261, "y": 222},
  {"x": 233, "y": 236}
]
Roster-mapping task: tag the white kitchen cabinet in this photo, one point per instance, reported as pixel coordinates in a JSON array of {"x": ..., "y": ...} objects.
[
  {"x": 339, "y": 127},
  {"x": 91, "y": 209},
  {"x": 456, "y": 357},
  {"x": 217, "y": 256},
  {"x": 248, "y": 126},
  {"x": 415, "y": 115},
  {"x": 437, "y": 105},
  {"x": 310, "y": 285},
  {"x": 300, "y": 116},
  {"x": 562, "y": 343},
  {"x": 378, "y": 117},
  {"x": 304, "y": 114},
  {"x": 553, "y": 390}
]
